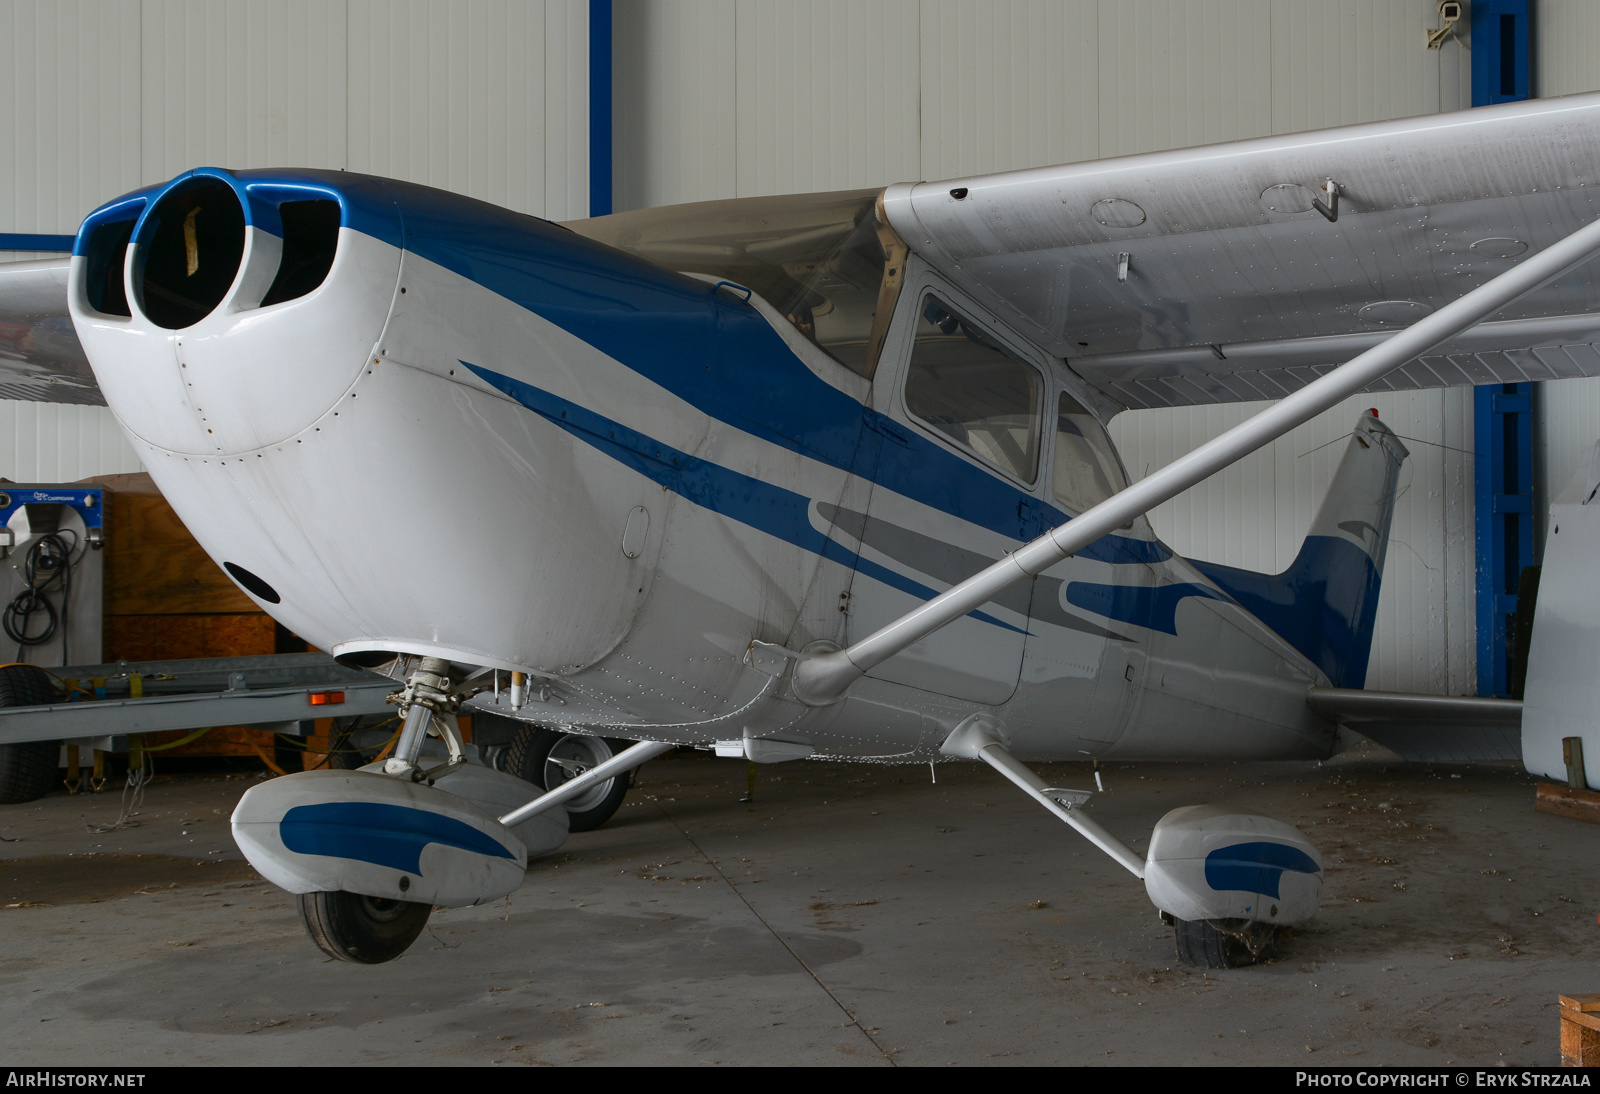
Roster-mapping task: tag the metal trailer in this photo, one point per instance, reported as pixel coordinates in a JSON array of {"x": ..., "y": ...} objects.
[{"x": 104, "y": 705}]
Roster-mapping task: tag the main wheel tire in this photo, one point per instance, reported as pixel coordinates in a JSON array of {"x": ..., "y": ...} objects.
[
  {"x": 1233, "y": 945},
  {"x": 28, "y": 769},
  {"x": 342, "y": 756},
  {"x": 547, "y": 758},
  {"x": 365, "y": 929}
]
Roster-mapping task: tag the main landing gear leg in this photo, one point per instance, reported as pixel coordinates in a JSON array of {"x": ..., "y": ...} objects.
[{"x": 1226, "y": 882}]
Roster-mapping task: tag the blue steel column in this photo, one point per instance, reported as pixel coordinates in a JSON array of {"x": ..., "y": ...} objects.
[
  {"x": 600, "y": 189},
  {"x": 1502, "y": 413}
]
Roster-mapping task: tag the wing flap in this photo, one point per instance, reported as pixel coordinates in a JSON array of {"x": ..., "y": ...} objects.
[
  {"x": 41, "y": 359},
  {"x": 1560, "y": 347}
]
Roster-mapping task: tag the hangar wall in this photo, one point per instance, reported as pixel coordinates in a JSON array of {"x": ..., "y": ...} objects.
[
  {"x": 718, "y": 98},
  {"x": 99, "y": 97}
]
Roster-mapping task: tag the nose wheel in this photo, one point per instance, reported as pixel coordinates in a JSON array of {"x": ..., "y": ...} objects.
[{"x": 365, "y": 929}]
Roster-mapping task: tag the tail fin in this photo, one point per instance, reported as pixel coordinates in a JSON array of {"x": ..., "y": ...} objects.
[{"x": 1326, "y": 602}]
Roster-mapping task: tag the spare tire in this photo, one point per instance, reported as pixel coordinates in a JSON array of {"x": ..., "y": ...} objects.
[{"x": 28, "y": 769}]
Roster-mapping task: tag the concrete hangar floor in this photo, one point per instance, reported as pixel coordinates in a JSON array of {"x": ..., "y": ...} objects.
[{"x": 847, "y": 915}]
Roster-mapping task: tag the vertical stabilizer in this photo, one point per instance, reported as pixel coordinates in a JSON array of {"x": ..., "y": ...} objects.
[{"x": 1326, "y": 602}]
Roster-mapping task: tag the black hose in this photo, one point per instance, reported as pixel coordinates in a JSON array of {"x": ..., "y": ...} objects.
[{"x": 46, "y": 567}]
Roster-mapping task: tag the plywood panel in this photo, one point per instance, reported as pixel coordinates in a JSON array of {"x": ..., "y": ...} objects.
[{"x": 153, "y": 565}]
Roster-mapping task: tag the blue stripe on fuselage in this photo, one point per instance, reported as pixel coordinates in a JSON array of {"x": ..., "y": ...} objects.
[
  {"x": 1152, "y": 607},
  {"x": 715, "y": 353},
  {"x": 750, "y": 501}
]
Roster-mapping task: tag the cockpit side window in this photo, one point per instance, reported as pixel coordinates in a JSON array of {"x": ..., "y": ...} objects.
[
  {"x": 967, "y": 386},
  {"x": 1086, "y": 470}
]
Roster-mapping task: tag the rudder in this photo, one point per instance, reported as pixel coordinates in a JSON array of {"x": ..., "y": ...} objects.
[{"x": 1326, "y": 603}]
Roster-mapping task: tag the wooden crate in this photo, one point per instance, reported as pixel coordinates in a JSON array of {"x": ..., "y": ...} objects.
[
  {"x": 166, "y": 599},
  {"x": 1580, "y": 1030}
]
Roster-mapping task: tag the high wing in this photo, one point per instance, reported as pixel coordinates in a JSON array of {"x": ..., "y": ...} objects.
[
  {"x": 1235, "y": 287},
  {"x": 40, "y": 357}
]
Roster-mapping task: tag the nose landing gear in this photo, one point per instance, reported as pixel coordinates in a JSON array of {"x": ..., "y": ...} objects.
[{"x": 365, "y": 929}]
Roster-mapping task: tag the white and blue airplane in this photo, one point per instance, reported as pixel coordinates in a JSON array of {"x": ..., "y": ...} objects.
[{"x": 812, "y": 476}]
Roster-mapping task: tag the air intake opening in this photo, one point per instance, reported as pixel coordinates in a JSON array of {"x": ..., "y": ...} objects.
[
  {"x": 192, "y": 256},
  {"x": 252, "y": 584},
  {"x": 108, "y": 252},
  {"x": 310, "y": 238}
]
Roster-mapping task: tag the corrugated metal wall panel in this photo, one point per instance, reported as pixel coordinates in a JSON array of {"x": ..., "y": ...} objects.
[
  {"x": 53, "y": 442},
  {"x": 827, "y": 95},
  {"x": 1568, "y": 47},
  {"x": 1007, "y": 85},
  {"x": 444, "y": 95},
  {"x": 676, "y": 110},
  {"x": 1179, "y": 75},
  {"x": 1359, "y": 61},
  {"x": 233, "y": 84},
  {"x": 69, "y": 124},
  {"x": 566, "y": 97}
]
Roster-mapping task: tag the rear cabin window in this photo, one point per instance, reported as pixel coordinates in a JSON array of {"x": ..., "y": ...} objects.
[
  {"x": 966, "y": 386},
  {"x": 1086, "y": 470}
]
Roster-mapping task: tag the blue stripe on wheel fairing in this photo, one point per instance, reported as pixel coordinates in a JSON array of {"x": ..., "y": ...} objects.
[
  {"x": 750, "y": 501},
  {"x": 379, "y": 833},
  {"x": 1256, "y": 867}
]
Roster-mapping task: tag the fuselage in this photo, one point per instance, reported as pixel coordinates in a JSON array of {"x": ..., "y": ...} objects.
[{"x": 410, "y": 423}]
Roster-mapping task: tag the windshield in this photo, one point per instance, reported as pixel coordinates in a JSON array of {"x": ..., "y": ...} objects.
[{"x": 816, "y": 258}]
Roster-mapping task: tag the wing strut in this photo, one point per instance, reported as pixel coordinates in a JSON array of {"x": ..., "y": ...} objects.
[{"x": 823, "y": 677}]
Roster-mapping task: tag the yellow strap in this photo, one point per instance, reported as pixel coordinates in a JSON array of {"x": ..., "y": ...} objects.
[{"x": 195, "y": 736}]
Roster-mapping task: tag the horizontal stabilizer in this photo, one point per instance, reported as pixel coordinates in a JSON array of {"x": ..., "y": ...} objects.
[{"x": 1435, "y": 728}]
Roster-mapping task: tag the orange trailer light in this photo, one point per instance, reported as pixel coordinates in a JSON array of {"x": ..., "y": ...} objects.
[{"x": 326, "y": 698}]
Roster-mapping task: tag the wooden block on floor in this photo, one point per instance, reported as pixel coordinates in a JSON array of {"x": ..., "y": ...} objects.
[
  {"x": 1563, "y": 801},
  {"x": 1580, "y": 1030}
]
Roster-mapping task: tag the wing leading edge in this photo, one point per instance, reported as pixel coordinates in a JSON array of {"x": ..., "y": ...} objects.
[
  {"x": 1235, "y": 288},
  {"x": 41, "y": 359}
]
